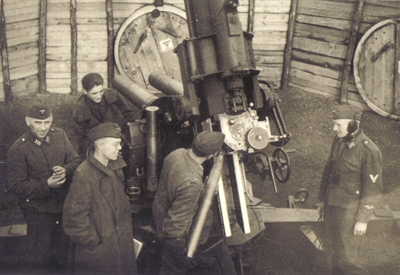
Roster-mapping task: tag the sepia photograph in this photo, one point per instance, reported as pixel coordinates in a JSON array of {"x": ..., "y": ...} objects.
[{"x": 252, "y": 137}]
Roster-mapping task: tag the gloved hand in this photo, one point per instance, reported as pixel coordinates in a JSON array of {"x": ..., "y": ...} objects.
[{"x": 177, "y": 246}]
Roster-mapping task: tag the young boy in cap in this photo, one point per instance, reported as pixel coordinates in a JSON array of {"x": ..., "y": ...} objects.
[
  {"x": 175, "y": 204},
  {"x": 351, "y": 186},
  {"x": 40, "y": 168},
  {"x": 98, "y": 105},
  {"x": 97, "y": 213}
]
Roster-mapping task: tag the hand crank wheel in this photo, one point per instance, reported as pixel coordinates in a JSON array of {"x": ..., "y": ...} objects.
[{"x": 281, "y": 165}]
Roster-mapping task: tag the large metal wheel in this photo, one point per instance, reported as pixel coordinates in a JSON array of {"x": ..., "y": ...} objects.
[{"x": 281, "y": 165}]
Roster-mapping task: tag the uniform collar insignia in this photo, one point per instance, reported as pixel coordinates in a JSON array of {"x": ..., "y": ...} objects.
[
  {"x": 39, "y": 143},
  {"x": 350, "y": 144}
]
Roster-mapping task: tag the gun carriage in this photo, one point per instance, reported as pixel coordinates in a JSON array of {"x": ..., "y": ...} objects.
[{"x": 219, "y": 91}]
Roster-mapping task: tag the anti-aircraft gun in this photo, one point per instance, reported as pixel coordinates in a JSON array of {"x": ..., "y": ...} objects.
[{"x": 220, "y": 91}]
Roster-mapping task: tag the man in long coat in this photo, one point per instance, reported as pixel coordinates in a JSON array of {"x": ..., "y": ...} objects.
[{"x": 97, "y": 214}]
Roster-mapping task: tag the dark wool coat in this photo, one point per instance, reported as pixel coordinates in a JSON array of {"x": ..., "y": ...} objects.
[
  {"x": 97, "y": 218},
  {"x": 115, "y": 109},
  {"x": 30, "y": 162},
  {"x": 353, "y": 176}
]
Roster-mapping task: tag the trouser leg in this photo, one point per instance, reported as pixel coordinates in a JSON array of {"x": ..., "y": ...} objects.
[
  {"x": 59, "y": 244},
  {"x": 224, "y": 259},
  {"x": 345, "y": 245},
  {"x": 39, "y": 229},
  {"x": 46, "y": 240},
  {"x": 224, "y": 264},
  {"x": 168, "y": 263}
]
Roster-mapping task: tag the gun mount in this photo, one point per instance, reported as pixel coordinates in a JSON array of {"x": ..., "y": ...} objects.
[{"x": 220, "y": 91}]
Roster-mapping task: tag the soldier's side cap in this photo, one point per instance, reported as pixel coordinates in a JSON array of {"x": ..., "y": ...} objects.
[
  {"x": 208, "y": 143},
  {"x": 346, "y": 112},
  {"x": 104, "y": 130},
  {"x": 38, "y": 110}
]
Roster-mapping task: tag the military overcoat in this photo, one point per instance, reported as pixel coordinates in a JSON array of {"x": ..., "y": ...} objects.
[{"x": 97, "y": 218}]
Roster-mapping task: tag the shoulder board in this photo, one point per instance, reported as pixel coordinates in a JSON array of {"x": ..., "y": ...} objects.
[
  {"x": 21, "y": 140},
  {"x": 370, "y": 145}
]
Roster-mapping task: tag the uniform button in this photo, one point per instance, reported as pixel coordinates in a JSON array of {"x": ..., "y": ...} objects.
[
  {"x": 116, "y": 227},
  {"x": 57, "y": 222},
  {"x": 27, "y": 200},
  {"x": 357, "y": 192}
]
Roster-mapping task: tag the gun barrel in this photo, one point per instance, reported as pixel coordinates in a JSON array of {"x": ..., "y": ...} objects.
[
  {"x": 152, "y": 159},
  {"x": 166, "y": 84},
  {"x": 205, "y": 205},
  {"x": 136, "y": 94}
]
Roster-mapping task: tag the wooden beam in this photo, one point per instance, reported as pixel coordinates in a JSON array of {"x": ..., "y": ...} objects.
[
  {"x": 396, "y": 88},
  {"x": 110, "y": 42},
  {"x": 289, "y": 45},
  {"x": 250, "y": 19},
  {"x": 4, "y": 56},
  {"x": 268, "y": 214},
  {"x": 74, "y": 48},
  {"x": 358, "y": 11},
  {"x": 42, "y": 46}
]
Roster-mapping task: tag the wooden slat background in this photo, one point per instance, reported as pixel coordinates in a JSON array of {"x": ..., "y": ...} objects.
[
  {"x": 22, "y": 35},
  {"x": 22, "y": 30},
  {"x": 270, "y": 28},
  {"x": 320, "y": 40},
  {"x": 322, "y": 32}
]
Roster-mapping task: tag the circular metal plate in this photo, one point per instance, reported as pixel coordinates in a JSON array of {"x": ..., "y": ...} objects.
[{"x": 258, "y": 138}]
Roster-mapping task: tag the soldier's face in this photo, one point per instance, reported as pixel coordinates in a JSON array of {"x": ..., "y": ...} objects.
[
  {"x": 39, "y": 127},
  {"x": 95, "y": 94},
  {"x": 340, "y": 127},
  {"x": 110, "y": 147}
]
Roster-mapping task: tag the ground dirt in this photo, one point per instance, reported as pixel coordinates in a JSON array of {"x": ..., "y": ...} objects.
[{"x": 281, "y": 248}]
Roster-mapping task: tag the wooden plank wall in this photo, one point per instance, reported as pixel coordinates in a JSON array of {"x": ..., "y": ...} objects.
[
  {"x": 270, "y": 28},
  {"x": 22, "y": 31},
  {"x": 321, "y": 38},
  {"x": 22, "y": 21}
]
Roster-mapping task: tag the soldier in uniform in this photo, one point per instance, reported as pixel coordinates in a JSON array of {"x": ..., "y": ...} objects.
[
  {"x": 40, "y": 168},
  {"x": 97, "y": 213},
  {"x": 351, "y": 186},
  {"x": 98, "y": 105},
  {"x": 176, "y": 202}
]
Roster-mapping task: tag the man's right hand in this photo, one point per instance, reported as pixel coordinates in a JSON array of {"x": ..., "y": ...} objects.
[
  {"x": 177, "y": 246},
  {"x": 320, "y": 208},
  {"x": 55, "y": 181}
]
